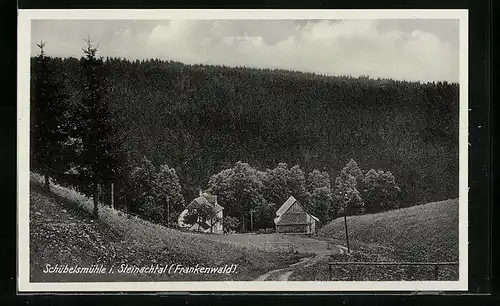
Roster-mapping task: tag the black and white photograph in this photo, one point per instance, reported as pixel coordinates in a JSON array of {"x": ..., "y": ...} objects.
[{"x": 234, "y": 150}]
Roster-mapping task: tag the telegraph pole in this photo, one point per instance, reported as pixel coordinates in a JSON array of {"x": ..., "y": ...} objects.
[
  {"x": 251, "y": 221},
  {"x": 345, "y": 223}
]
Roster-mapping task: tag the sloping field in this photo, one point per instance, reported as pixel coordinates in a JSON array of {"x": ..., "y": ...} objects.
[
  {"x": 62, "y": 233},
  {"x": 424, "y": 233},
  {"x": 279, "y": 242}
]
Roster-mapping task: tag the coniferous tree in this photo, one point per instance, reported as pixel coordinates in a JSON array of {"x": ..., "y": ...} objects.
[
  {"x": 95, "y": 126},
  {"x": 48, "y": 122},
  {"x": 201, "y": 119}
]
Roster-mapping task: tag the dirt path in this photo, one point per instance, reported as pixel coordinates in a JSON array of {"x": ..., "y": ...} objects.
[{"x": 285, "y": 273}]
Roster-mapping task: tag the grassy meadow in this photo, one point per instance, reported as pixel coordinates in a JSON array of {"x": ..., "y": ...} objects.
[{"x": 424, "y": 233}]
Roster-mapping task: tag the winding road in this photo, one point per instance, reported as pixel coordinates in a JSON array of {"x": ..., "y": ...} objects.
[
  {"x": 314, "y": 249},
  {"x": 285, "y": 273}
]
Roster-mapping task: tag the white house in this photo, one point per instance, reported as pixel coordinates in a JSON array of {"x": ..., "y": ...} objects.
[{"x": 206, "y": 227}]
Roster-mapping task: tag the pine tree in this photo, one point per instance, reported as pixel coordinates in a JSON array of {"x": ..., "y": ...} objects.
[
  {"x": 96, "y": 128},
  {"x": 47, "y": 122},
  {"x": 203, "y": 119}
]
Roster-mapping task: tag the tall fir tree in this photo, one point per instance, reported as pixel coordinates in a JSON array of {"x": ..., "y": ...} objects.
[
  {"x": 47, "y": 122},
  {"x": 95, "y": 126}
]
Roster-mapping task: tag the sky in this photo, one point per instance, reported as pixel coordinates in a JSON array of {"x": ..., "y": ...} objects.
[{"x": 403, "y": 49}]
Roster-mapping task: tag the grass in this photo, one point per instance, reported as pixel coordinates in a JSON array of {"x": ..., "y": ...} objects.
[
  {"x": 277, "y": 243},
  {"x": 62, "y": 232},
  {"x": 424, "y": 233}
]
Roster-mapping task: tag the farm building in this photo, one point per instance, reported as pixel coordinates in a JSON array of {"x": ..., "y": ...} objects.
[
  {"x": 291, "y": 217},
  {"x": 203, "y": 199}
]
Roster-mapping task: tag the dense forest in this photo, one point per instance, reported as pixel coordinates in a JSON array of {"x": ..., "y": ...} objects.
[{"x": 201, "y": 120}]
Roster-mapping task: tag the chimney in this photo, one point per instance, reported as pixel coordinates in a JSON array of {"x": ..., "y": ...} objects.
[{"x": 201, "y": 192}]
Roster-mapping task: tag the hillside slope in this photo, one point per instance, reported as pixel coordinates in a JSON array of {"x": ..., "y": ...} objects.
[
  {"x": 202, "y": 119},
  {"x": 62, "y": 233},
  {"x": 424, "y": 233}
]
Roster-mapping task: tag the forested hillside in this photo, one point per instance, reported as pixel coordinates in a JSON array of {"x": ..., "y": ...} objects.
[{"x": 201, "y": 120}]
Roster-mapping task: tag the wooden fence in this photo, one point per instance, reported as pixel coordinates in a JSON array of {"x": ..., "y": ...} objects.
[{"x": 436, "y": 265}]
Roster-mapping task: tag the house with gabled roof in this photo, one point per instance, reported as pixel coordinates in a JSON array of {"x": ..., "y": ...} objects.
[
  {"x": 291, "y": 217},
  {"x": 209, "y": 226}
]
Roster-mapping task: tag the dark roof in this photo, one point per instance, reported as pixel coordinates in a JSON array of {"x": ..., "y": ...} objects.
[
  {"x": 202, "y": 200},
  {"x": 204, "y": 225}
]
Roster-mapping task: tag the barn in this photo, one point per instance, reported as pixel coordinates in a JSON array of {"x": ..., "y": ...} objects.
[
  {"x": 203, "y": 199},
  {"x": 291, "y": 217}
]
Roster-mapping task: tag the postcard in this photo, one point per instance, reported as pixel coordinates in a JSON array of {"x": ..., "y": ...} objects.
[{"x": 242, "y": 150}]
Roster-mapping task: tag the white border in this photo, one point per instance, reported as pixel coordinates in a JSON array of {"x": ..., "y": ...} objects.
[{"x": 23, "y": 78}]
